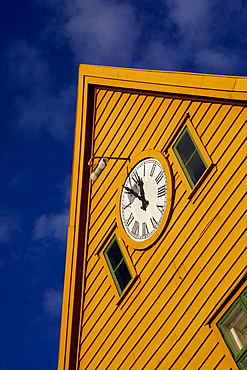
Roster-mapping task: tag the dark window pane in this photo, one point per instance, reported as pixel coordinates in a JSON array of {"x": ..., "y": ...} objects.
[
  {"x": 185, "y": 147},
  {"x": 196, "y": 167},
  {"x": 115, "y": 255},
  {"x": 123, "y": 275},
  {"x": 118, "y": 266},
  {"x": 244, "y": 363},
  {"x": 234, "y": 327}
]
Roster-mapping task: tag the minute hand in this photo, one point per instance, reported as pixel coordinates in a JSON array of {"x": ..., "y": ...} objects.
[
  {"x": 131, "y": 191},
  {"x": 143, "y": 199}
]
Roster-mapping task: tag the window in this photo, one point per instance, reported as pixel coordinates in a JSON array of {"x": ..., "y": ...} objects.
[
  {"x": 189, "y": 157},
  {"x": 118, "y": 266},
  {"x": 191, "y": 160},
  {"x": 233, "y": 327}
]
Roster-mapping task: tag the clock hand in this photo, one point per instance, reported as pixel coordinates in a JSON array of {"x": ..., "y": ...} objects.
[
  {"x": 141, "y": 197},
  {"x": 145, "y": 202},
  {"x": 131, "y": 191}
]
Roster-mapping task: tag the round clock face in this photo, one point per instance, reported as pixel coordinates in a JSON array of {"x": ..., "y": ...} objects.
[{"x": 143, "y": 200}]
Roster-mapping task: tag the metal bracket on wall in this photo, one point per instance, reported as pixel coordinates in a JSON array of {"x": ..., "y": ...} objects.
[
  {"x": 101, "y": 165},
  {"x": 90, "y": 162}
]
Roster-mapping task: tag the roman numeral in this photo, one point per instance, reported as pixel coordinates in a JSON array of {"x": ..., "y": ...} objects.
[
  {"x": 159, "y": 177},
  {"x": 130, "y": 219},
  {"x": 126, "y": 205},
  {"x": 152, "y": 169},
  {"x": 145, "y": 231},
  {"x": 154, "y": 222},
  {"x": 160, "y": 208},
  {"x": 135, "y": 177},
  {"x": 135, "y": 228},
  {"x": 161, "y": 191}
]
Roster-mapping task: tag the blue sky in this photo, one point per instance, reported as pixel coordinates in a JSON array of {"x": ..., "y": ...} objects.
[{"x": 42, "y": 43}]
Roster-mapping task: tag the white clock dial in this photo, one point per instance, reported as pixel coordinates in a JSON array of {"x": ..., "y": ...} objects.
[{"x": 143, "y": 199}]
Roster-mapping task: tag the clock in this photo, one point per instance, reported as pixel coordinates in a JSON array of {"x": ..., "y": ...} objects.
[{"x": 145, "y": 199}]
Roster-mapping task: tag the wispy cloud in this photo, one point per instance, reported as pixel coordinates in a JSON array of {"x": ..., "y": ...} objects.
[
  {"x": 160, "y": 55},
  {"x": 64, "y": 188},
  {"x": 52, "y": 300},
  {"x": 213, "y": 61},
  {"x": 25, "y": 68},
  {"x": 9, "y": 225},
  {"x": 202, "y": 34},
  {"x": 192, "y": 19},
  {"x": 193, "y": 34},
  {"x": 51, "y": 226},
  {"x": 99, "y": 32},
  {"x": 39, "y": 105},
  {"x": 55, "y": 114},
  {"x": 49, "y": 230}
]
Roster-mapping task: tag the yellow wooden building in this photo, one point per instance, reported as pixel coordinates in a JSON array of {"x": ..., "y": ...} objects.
[{"x": 155, "y": 273}]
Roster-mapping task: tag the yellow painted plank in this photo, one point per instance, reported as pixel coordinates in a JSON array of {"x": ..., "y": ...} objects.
[
  {"x": 110, "y": 114},
  {"x": 101, "y": 187},
  {"x": 97, "y": 231},
  {"x": 199, "y": 114},
  {"x": 131, "y": 130},
  {"x": 129, "y": 111},
  {"x": 99, "y": 94},
  {"x": 215, "y": 134},
  {"x": 161, "y": 130},
  {"x": 95, "y": 277},
  {"x": 194, "y": 108},
  {"x": 209, "y": 116},
  {"x": 235, "y": 136},
  {"x": 104, "y": 207},
  {"x": 94, "y": 321},
  {"x": 106, "y": 98},
  {"x": 193, "y": 355},
  {"x": 222, "y": 364},
  {"x": 99, "y": 237},
  {"x": 214, "y": 361},
  {"x": 173, "y": 115}
]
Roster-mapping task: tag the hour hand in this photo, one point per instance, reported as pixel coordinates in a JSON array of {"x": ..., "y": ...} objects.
[{"x": 131, "y": 191}]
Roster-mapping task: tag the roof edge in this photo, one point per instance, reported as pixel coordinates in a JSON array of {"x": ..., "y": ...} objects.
[{"x": 232, "y": 87}]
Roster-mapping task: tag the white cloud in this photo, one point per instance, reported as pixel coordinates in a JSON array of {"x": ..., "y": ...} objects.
[
  {"x": 54, "y": 113},
  {"x": 192, "y": 22},
  {"x": 173, "y": 38},
  {"x": 52, "y": 301},
  {"x": 160, "y": 56},
  {"x": 213, "y": 61},
  {"x": 29, "y": 82},
  {"x": 25, "y": 68},
  {"x": 190, "y": 13},
  {"x": 101, "y": 32},
  {"x": 9, "y": 225},
  {"x": 51, "y": 226},
  {"x": 64, "y": 188}
]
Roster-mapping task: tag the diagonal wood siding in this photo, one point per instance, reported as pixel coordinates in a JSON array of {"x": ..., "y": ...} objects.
[{"x": 201, "y": 255}]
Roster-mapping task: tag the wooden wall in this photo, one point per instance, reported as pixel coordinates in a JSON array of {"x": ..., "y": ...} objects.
[{"x": 162, "y": 322}]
